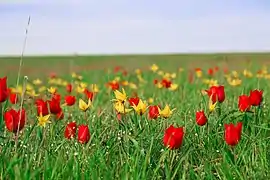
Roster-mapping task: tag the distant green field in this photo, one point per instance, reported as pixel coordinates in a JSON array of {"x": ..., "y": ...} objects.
[{"x": 41, "y": 65}]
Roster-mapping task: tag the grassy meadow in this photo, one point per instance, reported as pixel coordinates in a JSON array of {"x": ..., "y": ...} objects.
[{"x": 124, "y": 142}]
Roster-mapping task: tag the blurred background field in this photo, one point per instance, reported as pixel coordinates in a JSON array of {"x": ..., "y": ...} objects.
[{"x": 41, "y": 66}]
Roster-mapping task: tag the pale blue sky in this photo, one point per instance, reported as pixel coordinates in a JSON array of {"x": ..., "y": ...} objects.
[{"x": 135, "y": 26}]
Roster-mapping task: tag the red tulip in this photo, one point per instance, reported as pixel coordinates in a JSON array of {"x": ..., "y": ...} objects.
[
  {"x": 114, "y": 85},
  {"x": 244, "y": 103},
  {"x": 14, "y": 120},
  {"x": 255, "y": 97},
  {"x": 201, "y": 119},
  {"x": 210, "y": 72},
  {"x": 57, "y": 96},
  {"x": 166, "y": 83},
  {"x": 173, "y": 137},
  {"x": 155, "y": 81},
  {"x": 3, "y": 89},
  {"x": 89, "y": 94},
  {"x": 70, "y": 100},
  {"x": 83, "y": 134},
  {"x": 42, "y": 107},
  {"x": 153, "y": 112},
  {"x": 232, "y": 133},
  {"x": 216, "y": 93},
  {"x": 13, "y": 98},
  {"x": 54, "y": 105},
  {"x": 69, "y": 88},
  {"x": 70, "y": 130},
  {"x": 134, "y": 101},
  {"x": 60, "y": 115}
]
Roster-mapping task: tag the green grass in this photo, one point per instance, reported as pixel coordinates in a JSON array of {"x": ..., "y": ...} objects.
[{"x": 133, "y": 149}]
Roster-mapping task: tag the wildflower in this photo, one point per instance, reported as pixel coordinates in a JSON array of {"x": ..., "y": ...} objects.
[
  {"x": 255, "y": 97},
  {"x": 70, "y": 100},
  {"x": 120, "y": 108},
  {"x": 42, "y": 107},
  {"x": 173, "y": 137},
  {"x": 52, "y": 90},
  {"x": 69, "y": 88},
  {"x": 83, "y": 106},
  {"x": 244, "y": 103},
  {"x": 15, "y": 120},
  {"x": 211, "y": 105},
  {"x": 153, "y": 112},
  {"x": 70, "y": 130},
  {"x": 166, "y": 112},
  {"x": 216, "y": 93},
  {"x": 201, "y": 119},
  {"x": 154, "y": 68},
  {"x": 140, "y": 108},
  {"x": 54, "y": 105},
  {"x": 37, "y": 82},
  {"x": 3, "y": 89},
  {"x": 43, "y": 120},
  {"x": 232, "y": 133},
  {"x": 83, "y": 134},
  {"x": 120, "y": 96},
  {"x": 134, "y": 101}
]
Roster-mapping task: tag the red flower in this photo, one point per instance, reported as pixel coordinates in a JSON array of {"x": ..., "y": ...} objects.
[
  {"x": 70, "y": 100},
  {"x": 216, "y": 93},
  {"x": 60, "y": 115},
  {"x": 216, "y": 68},
  {"x": 166, "y": 83},
  {"x": 153, "y": 112},
  {"x": 155, "y": 81},
  {"x": 57, "y": 96},
  {"x": 89, "y": 94},
  {"x": 134, "y": 101},
  {"x": 54, "y": 105},
  {"x": 210, "y": 72},
  {"x": 114, "y": 85},
  {"x": 201, "y": 119},
  {"x": 70, "y": 130},
  {"x": 3, "y": 89},
  {"x": 53, "y": 75},
  {"x": 117, "y": 69},
  {"x": 173, "y": 137},
  {"x": 14, "y": 120},
  {"x": 255, "y": 97},
  {"x": 83, "y": 134},
  {"x": 13, "y": 98},
  {"x": 244, "y": 103},
  {"x": 42, "y": 107},
  {"x": 232, "y": 133},
  {"x": 69, "y": 88}
]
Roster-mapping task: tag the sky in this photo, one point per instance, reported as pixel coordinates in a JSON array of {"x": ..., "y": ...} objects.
[{"x": 134, "y": 26}]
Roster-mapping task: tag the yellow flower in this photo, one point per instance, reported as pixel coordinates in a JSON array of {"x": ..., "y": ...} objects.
[
  {"x": 211, "y": 105},
  {"x": 120, "y": 107},
  {"x": 117, "y": 79},
  {"x": 234, "y": 82},
  {"x": 141, "y": 80},
  {"x": 52, "y": 90},
  {"x": 161, "y": 73},
  {"x": 83, "y": 106},
  {"x": 125, "y": 83},
  {"x": 133, "y": 86},
  {"x": 79, "y": 89},
  {"x": 159, "y": 85},
  {"x": 166, "y": 112},
  {"x": 235, "y": 74},
  {"x": 32, "y": 93},
  {"x": 140, "y": 108},
  {"x": 120, "y": 96},
  {"x": 150, "y": 100},
  {"x": 247, "y": 73},
  {"x": 79, "y": 77},
  {"x": 74, "y": 75},
  {"x": 213, "y": 82},
  {"x": 173, "y": 87},
  {"x": 94, "y": 88},
  {"x": 138, "y": 71},
  {"x": 173, "y": 75},
  {"x": 37, "y": 82},
  {"x": 167, "y": 76},
  {"x": 29, "y": 87},
  {"x": 83, "y": 85},
  {"x": 43, "y": 120},
  {"x": 154, "y": 68},
  {"x": 180, "y": 69},
  {"x": 199, "y": 73}
]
